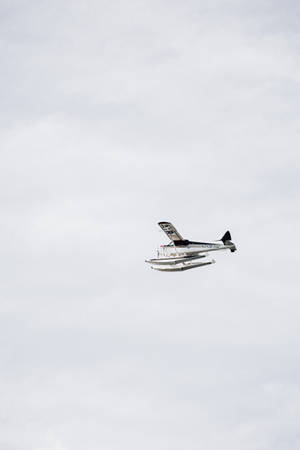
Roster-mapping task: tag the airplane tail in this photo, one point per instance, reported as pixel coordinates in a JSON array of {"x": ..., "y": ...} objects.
[{"x": 226, "y": 237}]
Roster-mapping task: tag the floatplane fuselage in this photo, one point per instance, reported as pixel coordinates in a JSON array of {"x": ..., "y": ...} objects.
[{"x": 182, "y": 254}]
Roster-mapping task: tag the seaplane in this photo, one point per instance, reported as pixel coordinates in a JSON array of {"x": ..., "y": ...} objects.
[{"x": 182, "y": 254}]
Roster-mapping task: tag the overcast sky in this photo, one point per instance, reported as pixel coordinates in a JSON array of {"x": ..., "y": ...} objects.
[{"x": 116, "y": 115}]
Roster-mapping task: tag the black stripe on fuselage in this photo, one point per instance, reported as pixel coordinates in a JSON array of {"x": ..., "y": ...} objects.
[{"x": 186, "y": 242}]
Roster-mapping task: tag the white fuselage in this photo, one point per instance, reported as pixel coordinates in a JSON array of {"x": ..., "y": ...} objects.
[{"x": 202, "y": 247}]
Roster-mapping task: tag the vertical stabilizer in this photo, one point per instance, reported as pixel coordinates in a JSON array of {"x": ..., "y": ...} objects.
[{"x": 226, "y": 237}]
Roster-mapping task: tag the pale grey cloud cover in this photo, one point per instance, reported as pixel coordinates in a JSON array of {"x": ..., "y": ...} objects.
[{"x": 115, "y": 115}]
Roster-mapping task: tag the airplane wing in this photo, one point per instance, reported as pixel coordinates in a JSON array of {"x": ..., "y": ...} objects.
[{"x": 170, "y": 231}]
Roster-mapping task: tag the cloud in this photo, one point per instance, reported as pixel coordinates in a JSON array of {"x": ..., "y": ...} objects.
[{"x": 115, "y": 116}]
